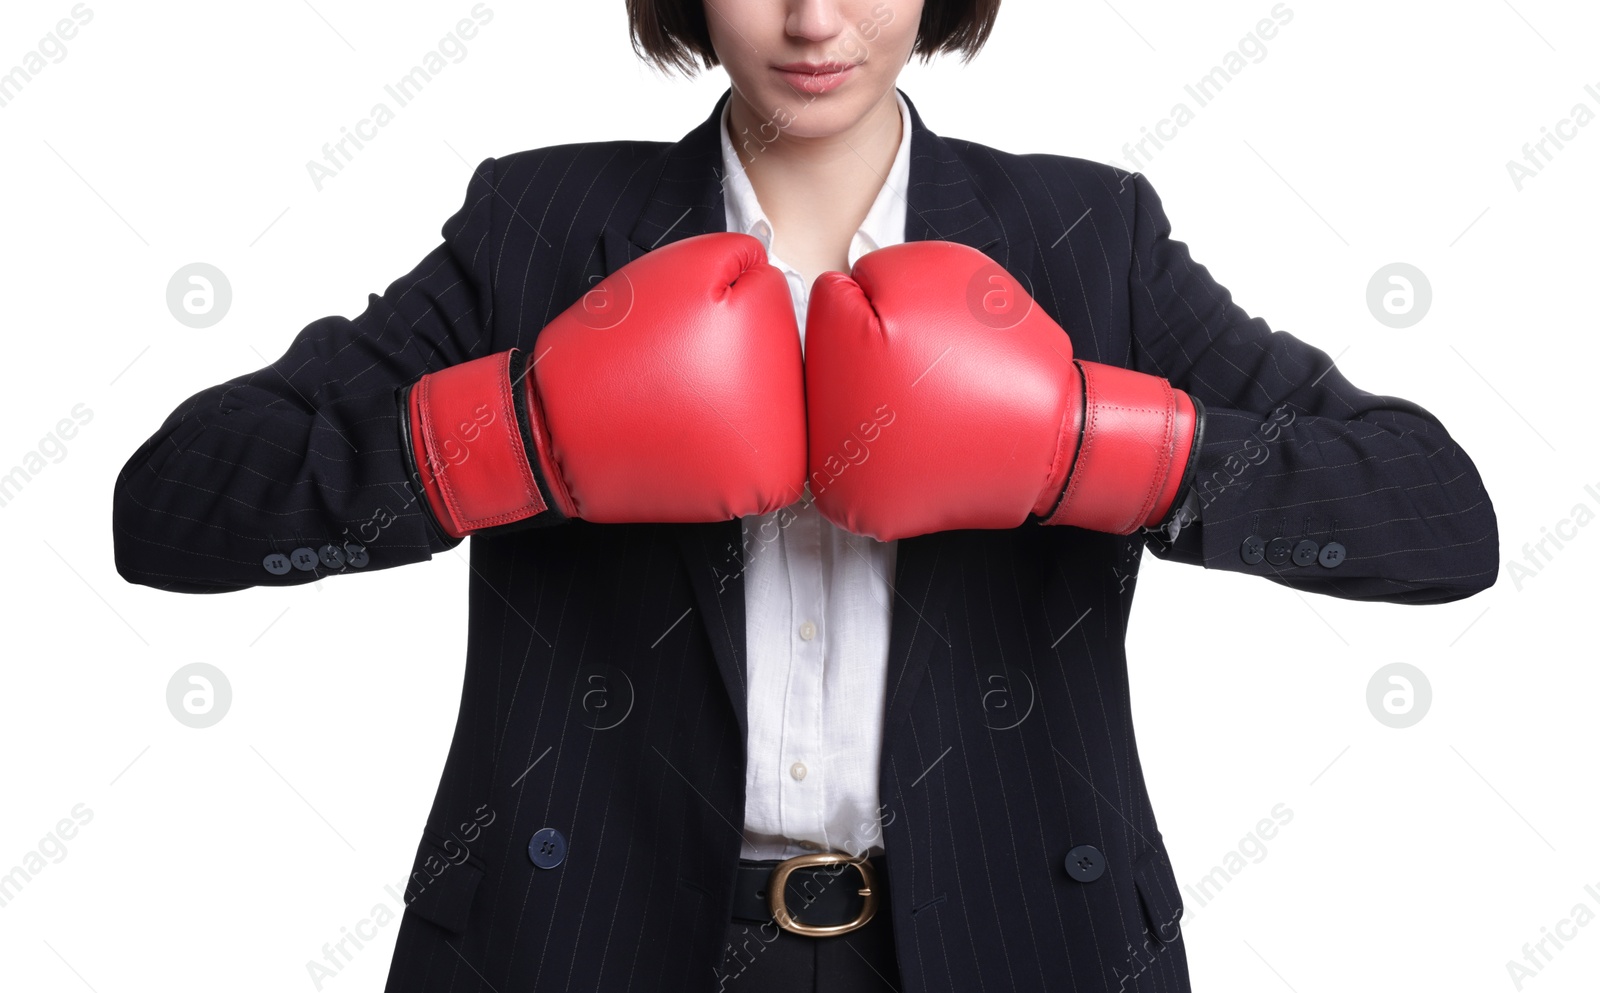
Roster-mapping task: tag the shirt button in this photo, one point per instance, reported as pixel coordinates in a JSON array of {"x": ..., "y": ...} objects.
[
  {"x": 798, "y": 770},
  {"x": 808, "y": 631}
]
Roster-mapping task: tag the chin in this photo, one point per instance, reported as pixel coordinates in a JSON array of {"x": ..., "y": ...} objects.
[
  {"x": 827, "y": 115},
  {"x": 820, "y": 122}
]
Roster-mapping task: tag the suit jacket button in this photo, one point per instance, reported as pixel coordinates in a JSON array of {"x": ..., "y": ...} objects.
[
  {"x": 1085, "y": 863},
  {"x": 332, "y": 556},
  {"x": 356, "y": 555},
  {"x": 1253, "y": 549},
  {"x": 1332, "y": 554},
  {"x": 277, "y": 563},
  {"x": 547, "y": 848},
  {"x": 1279, "y": 550},
  {"x": 1305, "y": 552},
  {"x": 304, "y": 559}
]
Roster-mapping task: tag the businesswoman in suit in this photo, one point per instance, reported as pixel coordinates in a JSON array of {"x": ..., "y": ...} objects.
[{"x": 809, "y": 461}]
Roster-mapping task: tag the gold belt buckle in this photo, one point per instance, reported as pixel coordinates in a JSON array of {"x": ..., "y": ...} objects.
[{"x": 779, "y": 879}]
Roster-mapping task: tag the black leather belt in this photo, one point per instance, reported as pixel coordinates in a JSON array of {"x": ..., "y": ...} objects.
[{"x": 817, "y": 895}]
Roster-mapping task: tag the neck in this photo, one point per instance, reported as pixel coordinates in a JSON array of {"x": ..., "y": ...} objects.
[{"x": 836, "y": 173}]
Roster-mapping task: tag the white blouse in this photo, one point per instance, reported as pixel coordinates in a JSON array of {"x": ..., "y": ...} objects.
[{"x": 817, "y": 607}]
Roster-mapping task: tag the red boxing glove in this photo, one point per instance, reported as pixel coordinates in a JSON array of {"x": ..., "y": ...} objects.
[
  {"x": 673, "y": 391},
  {"x": 940, "y": 396}
]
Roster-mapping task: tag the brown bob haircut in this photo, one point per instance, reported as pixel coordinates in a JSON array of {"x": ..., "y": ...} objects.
[{"x": 672, "y": 33}]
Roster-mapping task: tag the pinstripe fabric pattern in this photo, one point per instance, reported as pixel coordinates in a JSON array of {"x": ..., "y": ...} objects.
[{"x": 1008, "y": 734}]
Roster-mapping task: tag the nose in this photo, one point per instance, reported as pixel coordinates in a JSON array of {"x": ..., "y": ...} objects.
[{"x": 814, "y": 20}]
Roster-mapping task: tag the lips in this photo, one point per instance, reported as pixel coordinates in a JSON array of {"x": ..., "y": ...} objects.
[
  {"x": 815, "y": 77},
  {"x": 814, "y": 67}
]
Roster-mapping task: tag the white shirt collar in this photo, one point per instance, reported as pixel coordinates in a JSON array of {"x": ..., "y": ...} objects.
[{"x": 884, "y": 225}]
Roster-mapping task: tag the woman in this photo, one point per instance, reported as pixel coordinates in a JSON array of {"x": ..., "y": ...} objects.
[{"x": 800, "y": 666}]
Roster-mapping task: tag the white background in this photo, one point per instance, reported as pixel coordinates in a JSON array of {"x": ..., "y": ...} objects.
[{"x": 1371, "y": 133}]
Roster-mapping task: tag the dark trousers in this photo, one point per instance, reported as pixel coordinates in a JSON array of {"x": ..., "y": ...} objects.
[{"x": 760, "y": 957}]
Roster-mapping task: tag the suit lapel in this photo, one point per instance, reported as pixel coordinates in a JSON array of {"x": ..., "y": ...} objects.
[
  {"x": 713, "y": 554},
  {"x": 942, "y": 202},
  {"x": 685, "y": 201}
]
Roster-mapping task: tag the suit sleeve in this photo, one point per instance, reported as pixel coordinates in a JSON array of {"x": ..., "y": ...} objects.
[
  {"x": 1294, "y": 453},
  {"x": 245, "y": 477}
]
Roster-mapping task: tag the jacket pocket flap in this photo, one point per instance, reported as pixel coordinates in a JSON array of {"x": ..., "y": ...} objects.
[
  {"x": 444, "y": 877},
  {"x": 1158, "y": 895}
]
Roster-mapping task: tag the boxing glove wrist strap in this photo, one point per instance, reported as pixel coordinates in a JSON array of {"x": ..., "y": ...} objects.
[
  {"x": 1185, "y": 509},
  {"x": 476, "y": 445},
  {"x": 1135, "y": 437}
]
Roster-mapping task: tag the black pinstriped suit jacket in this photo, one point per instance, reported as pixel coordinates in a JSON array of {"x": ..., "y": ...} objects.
[{"x": 604, "y": 691}]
